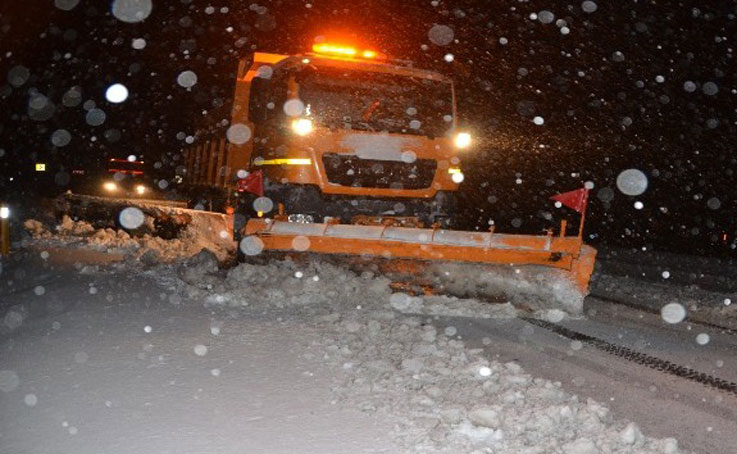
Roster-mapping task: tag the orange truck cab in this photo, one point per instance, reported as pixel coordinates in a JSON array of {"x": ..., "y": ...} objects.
[{"x": 345, "y": 133}]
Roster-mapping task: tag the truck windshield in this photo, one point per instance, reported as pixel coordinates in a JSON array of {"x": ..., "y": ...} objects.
[{"x": 372, "y": 101}]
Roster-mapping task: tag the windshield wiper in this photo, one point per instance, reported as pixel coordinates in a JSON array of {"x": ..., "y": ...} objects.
[{"x": 365, "y": 126}]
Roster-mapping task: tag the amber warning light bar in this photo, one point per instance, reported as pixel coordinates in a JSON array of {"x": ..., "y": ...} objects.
[{"x": 345, "y": 51}]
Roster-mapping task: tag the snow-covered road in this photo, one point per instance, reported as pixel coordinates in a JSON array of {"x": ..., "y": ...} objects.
[
  {"x": 103, "y": 364},
  {"x": 311, "y": 358},
  {"x": 702, "y": 418}
]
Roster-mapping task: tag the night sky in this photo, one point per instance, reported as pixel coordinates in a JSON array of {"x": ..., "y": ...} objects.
[{"x": 616, "y": 85}]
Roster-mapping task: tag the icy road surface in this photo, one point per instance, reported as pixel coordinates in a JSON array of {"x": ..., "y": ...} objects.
[{"x": 101, "y": 364}]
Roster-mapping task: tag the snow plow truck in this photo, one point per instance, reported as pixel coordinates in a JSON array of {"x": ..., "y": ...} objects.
[{"x": 347, "y": 153}]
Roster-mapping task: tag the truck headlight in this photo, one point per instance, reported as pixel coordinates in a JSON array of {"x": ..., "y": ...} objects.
[
  {"x": 109, "y": 186},
  {"x": 462, "y": 140},
  {"x": 140, "y": 189},
  {"x": 302, "y": 126}
]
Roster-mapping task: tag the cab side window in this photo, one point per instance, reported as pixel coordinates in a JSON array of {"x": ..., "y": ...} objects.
[{"x": 267, "y": 98}]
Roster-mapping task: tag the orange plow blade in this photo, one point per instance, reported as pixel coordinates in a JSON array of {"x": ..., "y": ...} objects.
[{"x": 476, "y": 264}]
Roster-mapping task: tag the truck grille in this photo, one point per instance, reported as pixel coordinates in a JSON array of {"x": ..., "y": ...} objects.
[{"x": 349, "y": 170}]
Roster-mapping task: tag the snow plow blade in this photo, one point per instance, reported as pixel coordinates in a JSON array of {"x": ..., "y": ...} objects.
[
  {"x": 535, "y": 272},
  {"x": 163, "y": 218}
]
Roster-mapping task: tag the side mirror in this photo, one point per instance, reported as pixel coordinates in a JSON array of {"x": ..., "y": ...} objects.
[{"x": 258, "y": 99}]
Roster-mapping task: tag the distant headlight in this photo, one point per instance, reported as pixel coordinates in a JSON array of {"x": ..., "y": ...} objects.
[
  {"x": 140, "y": 189},
  {"x": 110, "y": 186},
  {"x": 462, "y": 140},
  {"x": 302, "y": 126}
]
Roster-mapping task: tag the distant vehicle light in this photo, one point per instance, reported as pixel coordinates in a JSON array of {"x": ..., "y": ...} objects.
[
  {"x": 302, "y": 126},
  {"x": 4, "y": 212},
  {"x": 109, "y": 186},
  {"x": 462, "y": 140},
  {"x": 140, "y": 189}
]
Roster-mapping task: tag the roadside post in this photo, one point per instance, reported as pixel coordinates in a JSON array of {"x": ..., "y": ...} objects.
[{"x": 4, "y": 230}]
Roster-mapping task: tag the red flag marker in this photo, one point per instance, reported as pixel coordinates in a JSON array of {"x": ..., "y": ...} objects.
[
  {"x": 253, "y": 183},
  {"x": 576, "y": 200}
]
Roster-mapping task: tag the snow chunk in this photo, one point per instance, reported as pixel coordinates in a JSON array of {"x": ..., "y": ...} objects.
[
  {"x": 631, "y": 434},
  {"x": 36, "y": 228},
  {"x": 580, "y": 446},
  {"x": 413, "y": 365},
  {"x": 484, "y": 417},
  {"x": 71, "y": 227},
  {"x": 480, "y": 434}
]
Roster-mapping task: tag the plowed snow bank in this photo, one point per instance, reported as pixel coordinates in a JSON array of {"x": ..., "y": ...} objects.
[
  {"x": 198, "y": 235},
  {"x": 447, "y": 397}
]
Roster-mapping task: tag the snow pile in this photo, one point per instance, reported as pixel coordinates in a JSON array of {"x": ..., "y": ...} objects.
[
  {"x": 75, "y": 228},
  {"x": 36, "y": 229},
  {"x": 299, "y": 284},
  {"x": 317, "y": 283},
  {"x": 150, "y": 249},
  {"x": 280, "y": 284},
  {"x": 449, "y": 306},
  {"x": 446, "y": 397},
  {"x": 456, "y": 400},
  {"x": 531, "y": 288}
]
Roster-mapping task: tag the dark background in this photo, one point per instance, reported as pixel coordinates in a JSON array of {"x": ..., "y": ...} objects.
[{"x": 603, "y": 112}]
